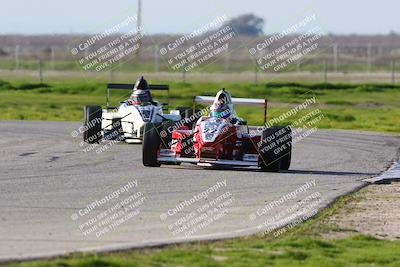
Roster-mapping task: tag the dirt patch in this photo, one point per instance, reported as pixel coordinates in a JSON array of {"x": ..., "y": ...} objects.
[{"x": 373, "y": 211}]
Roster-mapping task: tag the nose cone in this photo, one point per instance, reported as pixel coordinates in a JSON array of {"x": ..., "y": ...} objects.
[{"x": 212, "y": 129}]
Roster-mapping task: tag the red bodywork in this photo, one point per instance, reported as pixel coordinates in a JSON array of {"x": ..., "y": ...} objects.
[{"x": 228, "y": 142}]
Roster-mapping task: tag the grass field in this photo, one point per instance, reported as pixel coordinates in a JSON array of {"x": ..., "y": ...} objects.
[
  {"x": 305, "y": 245},
  {"x": 370, "y": 107}
]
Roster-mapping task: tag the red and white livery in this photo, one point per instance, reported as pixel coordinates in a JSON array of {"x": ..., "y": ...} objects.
[{"x": 218, "y": 137}]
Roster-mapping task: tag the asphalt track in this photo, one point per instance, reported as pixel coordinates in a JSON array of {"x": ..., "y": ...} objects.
[{"x": 47, "y": 180}]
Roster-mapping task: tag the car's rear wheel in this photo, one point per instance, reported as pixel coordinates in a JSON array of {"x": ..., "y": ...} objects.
[
  {"x": 151, "y": 144},
  {"x": 92, "y": 124},
  {"x": 182, "y": 111},
  {"x": 286, "y": 159},
  {"x": 166, "y": 133},
  {"x": 191, "y": 117},
  {"x": 166, "y": 138},
  {"x": 275, "y": 149}
]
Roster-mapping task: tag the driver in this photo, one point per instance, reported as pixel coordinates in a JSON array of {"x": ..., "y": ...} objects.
[
  {"x": 140, "y": 97},
  {"x": 141, "y": 93},
  {"x": 220, "y": 110}
]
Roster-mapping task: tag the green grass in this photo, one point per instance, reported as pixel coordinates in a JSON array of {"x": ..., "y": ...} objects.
[
  {"x": 300, "y": 251},
  {"x": 302, "y": 246},
  {"x": 370, "y": 107},
  {"x": 361, "y": 107}
]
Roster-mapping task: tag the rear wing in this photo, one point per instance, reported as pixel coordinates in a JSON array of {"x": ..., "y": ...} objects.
[
  {"x": 235, "y": 101},
  {"x": 122, "y": 86}
]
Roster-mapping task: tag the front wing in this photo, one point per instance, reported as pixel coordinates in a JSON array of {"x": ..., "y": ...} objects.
[{"x": 167, "y": 155}]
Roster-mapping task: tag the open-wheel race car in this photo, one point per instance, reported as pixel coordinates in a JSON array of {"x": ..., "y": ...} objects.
[
  {"x": 127, "y": 121},
  {"x": 218, "y": 137}
]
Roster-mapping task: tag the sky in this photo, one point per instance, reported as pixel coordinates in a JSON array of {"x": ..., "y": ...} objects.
[{"x": 184, "y": 16}]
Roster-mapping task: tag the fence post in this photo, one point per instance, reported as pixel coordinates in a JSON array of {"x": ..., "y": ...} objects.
[
  {"x": 256, "y": 74},
  {"x": 393, "y": 71},
  {"x": 369, "y": 57},
  {"x": 298, "y": 63},
  {"x": 111, "y": 75},
  {"x": 17, "y": 57},
  {"x": 184, "y": 75},
  {"x": 40, "y": 71},
  {"x": 156, "y": 60},
  {"x": 227, "y": 62},
  {"x": 325, "y": 72},
  {"x": 52, "y": 58},
  {"x": 335, "y": 57}
]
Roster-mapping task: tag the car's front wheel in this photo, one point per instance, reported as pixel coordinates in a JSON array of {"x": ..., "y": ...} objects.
[
  {"x": 92, "y": 116},
  {"x": 275, "y": 148},
  {"x": 151, "y": 144}
]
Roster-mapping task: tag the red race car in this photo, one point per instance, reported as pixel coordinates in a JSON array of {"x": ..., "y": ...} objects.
[{"x": 216, "y": 136}]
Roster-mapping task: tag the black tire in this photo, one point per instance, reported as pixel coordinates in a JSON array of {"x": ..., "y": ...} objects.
[
  {"x": 92, "y": 124},
  {"x": 182, "y": 111},
  {"x": 286, "y": 160},
  {"x": 191, "y": 117},
  {"x": 166, "y": 138},
  {"x": 287, "y": 157},
  {"x": 275, "y": 148},
  {"x": 151, "y": 144},
  {"x": 166, "y": 134},
  {"x": 189, "y": 113}
]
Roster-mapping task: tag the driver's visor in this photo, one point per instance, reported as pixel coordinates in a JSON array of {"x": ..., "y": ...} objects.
[
  {"x": 220, "y": 114},
  {"x": 138, "y": 99}
]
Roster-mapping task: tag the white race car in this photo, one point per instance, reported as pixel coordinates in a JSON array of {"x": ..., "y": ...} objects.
[{"x": 127, "y": 121}]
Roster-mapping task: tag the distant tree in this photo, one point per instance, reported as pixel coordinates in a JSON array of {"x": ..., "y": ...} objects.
[
  {"x": 248, "y": 25},
  {"x": 2, "y": 52},
  {"x": 47, "y": 50}
]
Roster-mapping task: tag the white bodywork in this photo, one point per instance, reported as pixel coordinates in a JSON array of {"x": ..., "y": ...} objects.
[
  {"x": 232, "y": 100},
  {"x": 134, "y": 117}
]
